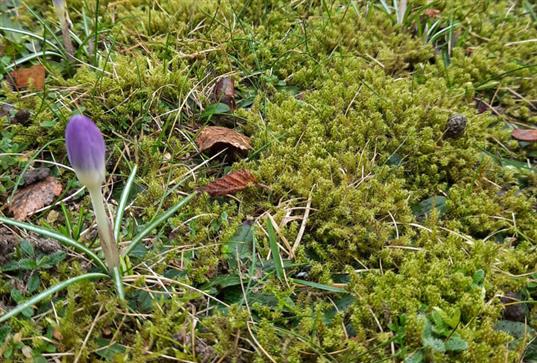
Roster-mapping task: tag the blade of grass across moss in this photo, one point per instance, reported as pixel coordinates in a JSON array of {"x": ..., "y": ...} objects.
[
  {"x": 163, "y": 217},
  {"x": 37, "y": 298},
  {"x": 319, "y": 286},
  {"x": 64, "y": 240},
  {"x": 41, "y": 21},
  {"x": 30, "y": 34},
  {"x": 25, "y": 59},
  {"x": 123, "y": 202},
  {"x": 275, "y": 251}
]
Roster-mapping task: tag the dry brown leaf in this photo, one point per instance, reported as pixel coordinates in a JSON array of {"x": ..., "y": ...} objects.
[
  {"x": 34, "y": 197},
  {"x": 224, "y": 92},
  {"x": 216, "y": 138},
  {"x": 432, "y": 13},
  {"x": 230, "y": 184},
  {"x": 24, "y": 77},
  {"x": 57, "y": 334},
  {"x": 525, "y": 135}
]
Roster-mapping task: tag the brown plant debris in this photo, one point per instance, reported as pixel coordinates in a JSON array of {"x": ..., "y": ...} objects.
[
  {"x": 432, "y": 13},
  {"x": 216, "y": 138},
  {"x": 22, "y": 78},
  {"x": 230, "y": 184},
  {"x": 224, "y": 92},
  {"x": 34, "y": 197},
  {"x": 525, "y": 135}
]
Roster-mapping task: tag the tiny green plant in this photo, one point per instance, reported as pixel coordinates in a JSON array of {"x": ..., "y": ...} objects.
[{"x": 86, "y": 152}]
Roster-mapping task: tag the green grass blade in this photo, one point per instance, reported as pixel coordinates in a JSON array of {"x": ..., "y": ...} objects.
[
  {"x": 385, "y": 6},
  {"x": 66, "y": 241},
  {"x": 118, "y": 283},
  {"x": 447, "y": 29},
  {"x": 37, "y": 298},
  {"x": 275, "y": 251},
  {"x": 45, "y": 25},
  {"x": 123, "y": 202},
  {"x": 32, "y": 35},
  {"x": 163, "y": 217},
  {"x": 30, "y": 57},
  {"x": 317, "y": 285}
]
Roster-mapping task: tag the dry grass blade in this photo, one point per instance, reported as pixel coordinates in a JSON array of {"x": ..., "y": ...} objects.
[{"x": 302, "y": 226}]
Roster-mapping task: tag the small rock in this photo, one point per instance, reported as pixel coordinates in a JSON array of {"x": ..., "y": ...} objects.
[
  {"x": 455, "y": 127},
  {"x": 5, "y": 109},
  {"x": 35, "y": 175},
  {"x": 8, "y": 242},
  {"x": 47, "y": 245},
  {"x": 514, "y": 310},
  {"x": 22, "y": 117}
]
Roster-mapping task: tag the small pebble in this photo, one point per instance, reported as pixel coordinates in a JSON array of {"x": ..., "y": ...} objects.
[
  {"x": 35, "y": 175},
  {"x": 514, "y": 309},
  {"x": 22, "y": 117},
  {"x": 455, "y": 127}
]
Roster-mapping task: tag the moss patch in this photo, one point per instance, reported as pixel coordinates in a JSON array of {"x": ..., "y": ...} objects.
[{"x": 412, "y": 238}]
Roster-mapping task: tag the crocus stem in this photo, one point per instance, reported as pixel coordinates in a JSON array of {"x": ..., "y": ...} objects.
[
  {"x": 67, "y": 43},
  {"x": 61, "y": 12},
  {"x": 108, "y": 244}
]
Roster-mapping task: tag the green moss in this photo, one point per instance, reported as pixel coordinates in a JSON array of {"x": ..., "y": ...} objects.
[{"x": 363, "y": 142}]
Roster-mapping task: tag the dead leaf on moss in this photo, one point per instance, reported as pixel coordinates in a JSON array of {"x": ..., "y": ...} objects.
[
  {"x": 525, "y": 135},
  {"x": 34, "y": 197},
  {"x": 432, "y": 13},
  {"x": 22, "y": 78},
  {"x": 216, "y": 138},
  {"x": 230, "y": 184},
  {"x": 224, "y": 92},
  {"x": 57, "y": 334}
]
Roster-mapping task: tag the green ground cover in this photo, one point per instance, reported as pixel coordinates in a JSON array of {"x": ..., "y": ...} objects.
[{"x": 371, "y": 236}]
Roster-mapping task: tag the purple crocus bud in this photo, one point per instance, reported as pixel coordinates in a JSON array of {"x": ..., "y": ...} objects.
[{"x": 86, "y": 149}]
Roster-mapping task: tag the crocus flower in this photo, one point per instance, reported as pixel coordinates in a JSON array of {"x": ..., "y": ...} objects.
[
  {"x": 86, "y": 152},
  {"x": 85, "y": 149}
]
